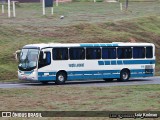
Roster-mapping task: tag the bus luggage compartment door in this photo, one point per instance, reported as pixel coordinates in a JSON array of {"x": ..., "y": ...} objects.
[{"x": 148, "y": 69}]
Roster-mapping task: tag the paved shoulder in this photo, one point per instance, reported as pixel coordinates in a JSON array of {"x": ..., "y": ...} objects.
[{"x": 98, "y": 83}]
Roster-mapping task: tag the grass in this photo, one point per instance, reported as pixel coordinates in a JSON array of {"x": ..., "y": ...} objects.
[
  {"x": 71, "y": 98},
  {"x": 78, "y": 12},
  {"x": 83, "y": 22}
]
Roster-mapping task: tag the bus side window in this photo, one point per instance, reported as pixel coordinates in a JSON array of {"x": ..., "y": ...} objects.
[
  {"x": 44, "y": 62},
  {"x": 77, "y": 53},
  {"x": 138, "y": 52},
  {"x": 108, "y": 53},
  {"x": 48, "y": 58},
  {"x": 93, "y": 53},
  {"x": 60, "y": 53},
  {"x": 149, "y": 52},
  {"x": 128, "y": 53},
  {"x": 124, "y": 53}
]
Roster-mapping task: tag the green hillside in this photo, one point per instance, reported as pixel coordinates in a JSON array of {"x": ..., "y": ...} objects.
[{"x": 80, "y": 24}]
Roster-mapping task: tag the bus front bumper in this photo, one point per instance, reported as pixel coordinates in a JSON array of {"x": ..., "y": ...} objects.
[{"x": 28, "y": 75}]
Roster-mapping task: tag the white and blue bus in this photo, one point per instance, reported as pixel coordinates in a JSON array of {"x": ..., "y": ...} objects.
[{"x": 61, "y": 62}]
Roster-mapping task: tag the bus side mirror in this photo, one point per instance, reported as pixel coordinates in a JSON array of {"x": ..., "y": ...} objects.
[{"x": 17, "y": 55}]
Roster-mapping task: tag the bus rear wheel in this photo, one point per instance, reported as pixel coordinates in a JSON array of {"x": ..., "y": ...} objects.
[
  {"x": 124, "y": 75},
  {"x": 61, "y": 77}
]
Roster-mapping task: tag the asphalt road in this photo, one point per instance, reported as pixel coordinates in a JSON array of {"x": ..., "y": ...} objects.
[{"x": 97, "y": 83}]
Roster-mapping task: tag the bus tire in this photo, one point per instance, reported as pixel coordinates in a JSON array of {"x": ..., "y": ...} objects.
[
  {"x": 124, "y": 75},
  {"x": 108, "y": 79},
  {"x": 61, "y": 77}
]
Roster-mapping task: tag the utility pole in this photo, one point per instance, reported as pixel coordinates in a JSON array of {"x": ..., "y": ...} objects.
[
  {"x": 127, "y": 4},
  {"x": 9, "y": 8},
  {"x": 43, "y": 7},
  {"x": 14, "y": 8}
]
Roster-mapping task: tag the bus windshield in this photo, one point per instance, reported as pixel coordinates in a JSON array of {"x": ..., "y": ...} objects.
[{"x": 28, "y": 59}]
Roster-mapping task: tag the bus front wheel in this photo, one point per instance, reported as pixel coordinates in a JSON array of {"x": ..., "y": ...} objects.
[
  {"x": 124, "y": 75},
  {"x": 61, "y": 77}
]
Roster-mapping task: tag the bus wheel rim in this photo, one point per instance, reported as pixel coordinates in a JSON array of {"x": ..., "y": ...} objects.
[
  {"x": 61, "y": 78},
  {"x": 125, "y": 76}
]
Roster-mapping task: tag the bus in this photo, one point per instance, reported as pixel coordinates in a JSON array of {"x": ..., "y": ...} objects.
[{"x": 58, "y": 62}]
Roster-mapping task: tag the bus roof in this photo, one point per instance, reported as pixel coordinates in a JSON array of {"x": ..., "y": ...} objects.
[{"x": 114, "y": 44}]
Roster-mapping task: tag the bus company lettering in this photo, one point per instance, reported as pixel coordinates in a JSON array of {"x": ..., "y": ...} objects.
[
  {"x": 76, "y": 65},
  {"x": 27, "y": 114}
]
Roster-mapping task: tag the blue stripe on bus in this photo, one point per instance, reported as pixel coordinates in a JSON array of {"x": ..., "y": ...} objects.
[
  {"x": 71, "y": 77},
  {"x": 46, "y": 78},
  {"x": 113, "y": 62},
  {"x": 106, "y": 76},
  {"x": 114, "y": 44},
  {"x": 141, "y": 70},
  {"x": 109, "y": 45},
  {"x": 80, "y": 77},
  {"x": 107, "y": 62},
  {"x": 103, "y": 45},
  {"x": 125, "y": 62},
  {"x": 97, "y": 74},
  {"x": 139, "y": 61},
  {"x": 119, "y": 62},
  {"x": 142, "y": 75},
  {"x": 94, "y": 72},
  {"x": 98, "y": 45},
  {"x": 86, "y": 45},
  {"x": 100, "y": 62}
]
